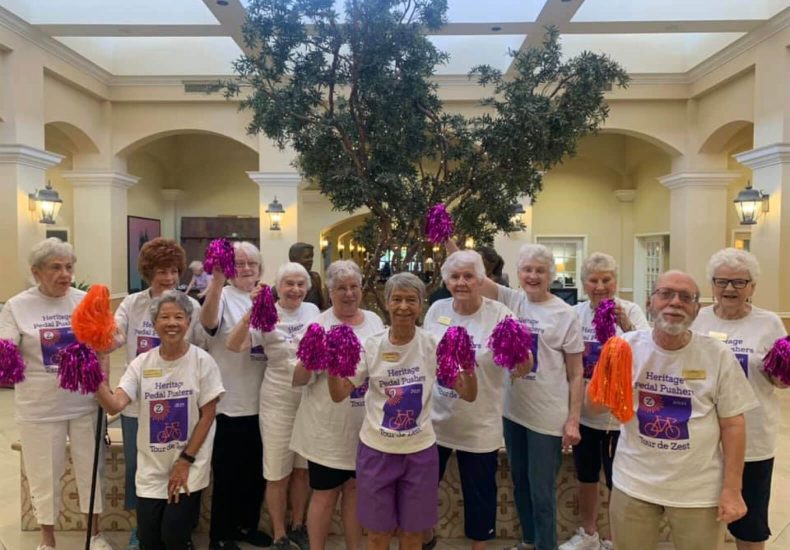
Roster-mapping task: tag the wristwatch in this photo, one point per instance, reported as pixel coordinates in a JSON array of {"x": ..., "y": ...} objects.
[{"x": 188, "y": 457}]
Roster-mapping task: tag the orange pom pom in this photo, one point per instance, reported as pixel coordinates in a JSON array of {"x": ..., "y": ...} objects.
[
  {"x": 92, "y": 321},
  {"x": 611, "y": 384}
]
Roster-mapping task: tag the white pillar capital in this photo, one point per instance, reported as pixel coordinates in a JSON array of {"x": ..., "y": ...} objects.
[
  {"x": 171, "y": 195},
  {"x": 718, "y": 179},
  {"x": 625, "y": 195},
  {"x": 16, "y": 153},
  {"x": 276, "y": 179},
  {"x": 765, "y": 156},
  {"x": 100, "y": 178}
]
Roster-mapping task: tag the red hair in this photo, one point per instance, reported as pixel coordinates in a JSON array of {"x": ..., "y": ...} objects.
[{"x": 160, "y": 253}]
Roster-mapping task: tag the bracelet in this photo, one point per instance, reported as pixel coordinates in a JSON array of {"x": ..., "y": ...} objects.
[{"x": 186, "y": 456}]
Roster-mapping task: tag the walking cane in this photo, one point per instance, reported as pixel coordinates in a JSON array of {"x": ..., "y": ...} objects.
[{"x": 94, "y": 475}]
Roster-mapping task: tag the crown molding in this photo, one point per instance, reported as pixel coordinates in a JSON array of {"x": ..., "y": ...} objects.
[
  {"x": 765, "y": 156},
  {"x": 625, "y": 195},
  {"x": 28, "y": 156},
  {"x": 276, "y": 179},
  {"x": 100, "y": 178},
  {"x": 719, "y": 179}
]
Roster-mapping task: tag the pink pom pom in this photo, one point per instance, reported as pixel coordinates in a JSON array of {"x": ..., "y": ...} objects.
[
  {"x": 510, "y": 342},
  {"x": 343, "y": 351},
  {"x": 312, "y": 348},
  {"x": 605, "y": 320},
  {"x": 264, "y": 315},
  {"x": 79, "y": 369},
  {"x": 12, "y": 367},
  {"x": 439, "y": 225},
  {"x": 220, "y": 253},
  {"x": 777, "y": 362},
  {"x": 454, "y": 353}
]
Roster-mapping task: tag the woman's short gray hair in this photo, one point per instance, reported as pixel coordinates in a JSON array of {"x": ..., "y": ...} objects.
[
  {"x": 404, "y": 281},
  {"x": 463, "y": 258},
  {"x": 50, "y": 248},
  {"x": 171, "y": 297},
  {"x": 342, "y": 269},
  {"x": 252, "y": 252},
  {"x": 734, "y": 258},
  {"x": 195, "y": 264},
  {"x": 598, "y": 262},
  {"x": 292, "y": 268},
  {"x": 537, "y": 253}
]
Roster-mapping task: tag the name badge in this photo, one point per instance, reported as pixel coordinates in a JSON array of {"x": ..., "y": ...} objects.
[
  {"x": 694, "y": 374},
  {"x": 391, "y": 356},
  {"x": 720, "y": 336},
  {"x": 152, "y": 373},
  {"x": 444, "y": 320}
]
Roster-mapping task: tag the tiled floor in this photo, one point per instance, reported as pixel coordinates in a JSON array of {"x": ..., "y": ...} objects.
[{"x": 12, "y": 538}]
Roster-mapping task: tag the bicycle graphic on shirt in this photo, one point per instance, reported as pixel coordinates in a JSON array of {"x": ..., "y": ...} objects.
[
  {"x": 664, "y": 427},
  {"x": 403, "y": 420},
  {"x": 170, "y": 432}
]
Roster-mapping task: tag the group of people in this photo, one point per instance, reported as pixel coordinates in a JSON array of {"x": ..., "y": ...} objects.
[{"x": 203, "y": 393}]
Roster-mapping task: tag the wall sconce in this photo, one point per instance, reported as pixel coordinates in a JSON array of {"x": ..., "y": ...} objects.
[
  {"x": 324, "y": 244},
  {"x": 435, "y": 248},
  {"x": 517, "y": 212},
  {"x": 469, "y": 243},
  {"x": 275, "y": 211},
  {"x": 749, "y": 203},
  {"x": 47, "y": 202},
  {"x": 351, "y": 247}
]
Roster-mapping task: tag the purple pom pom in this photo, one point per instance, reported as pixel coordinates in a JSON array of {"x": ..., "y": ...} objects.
[
  {"x": 510, "y": 342},
  {"x": 343, "y": 351},
  {"x": 220, "y": 253},
  {"x": 312, "y": 348},
  {"x": 79, "y": 369},
  {"x": 605, "y": 320},
  {"x": 264, "y": 315},
  {"x": 12, "y": 367},
  {"x": 777, "y": 361},
  {"x": 439, "y": 225},
  {"x": 454, "y": 353}
]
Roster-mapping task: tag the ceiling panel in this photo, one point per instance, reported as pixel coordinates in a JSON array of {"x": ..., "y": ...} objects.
[
  {"x": 677, "y": 10},
  {"x": 163, "y": 12},
  {"x": 468, "y": 51}
]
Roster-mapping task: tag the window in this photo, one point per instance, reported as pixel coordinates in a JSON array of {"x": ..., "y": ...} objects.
[
  {"x": 568, "y": 255},
  {"x": 651, "y": 260},
  {"x": 742, "y": 240}
]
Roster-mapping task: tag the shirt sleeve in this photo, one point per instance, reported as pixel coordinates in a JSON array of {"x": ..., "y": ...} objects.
[
  {"x": 212, "y": 333},
  {"x": 363, "y": 368},
  {"x": 734, "y": 394},
  {"x": 197, "y": 335},
  {"x": 508, "y": 296},
  {"x": 637, "y": 317},
  {"x": 130, "y": 380},
  {"x": 210, "y": 380},
  {"x": 574, "y": 341},
  {"x": 122, "y": 317},
  {"x": 9, "y": 329}
]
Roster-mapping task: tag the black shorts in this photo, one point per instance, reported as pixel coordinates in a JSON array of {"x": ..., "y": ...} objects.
[
  {"x": 595, "y": 450},
  {"x": 753, "y": 527},
  {"x": 324, "y": 478}
]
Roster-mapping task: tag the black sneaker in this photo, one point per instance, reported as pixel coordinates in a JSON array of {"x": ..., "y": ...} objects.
[
  {"x": 298, "y": 536},
  {"x": 255, "y": 537},
  {"x": 430, "y": 544},
  {"x": 223, "y": 545},
  {"x": 283, "y": 543}
]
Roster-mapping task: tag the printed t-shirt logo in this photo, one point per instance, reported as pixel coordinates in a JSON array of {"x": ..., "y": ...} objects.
[
  {"x": 592, "y": 351},
  {"x": 257, "y": 353},
  {"x": 403, "y": 407},
  {"x": 169, "y": 420},
  {"x": 52, "y": 341},
  {"x": 360, "y": 391},
  {"x": 146, "y": 343},
  {"x": 663, "y": 416},
  {"x": 535, "y": 338},
  {"x": 743, "y": 359}
]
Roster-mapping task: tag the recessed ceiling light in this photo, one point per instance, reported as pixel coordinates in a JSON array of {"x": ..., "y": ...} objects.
[
  {"x": 496, "y": 28},
  {"x": 222, "y": 2}
]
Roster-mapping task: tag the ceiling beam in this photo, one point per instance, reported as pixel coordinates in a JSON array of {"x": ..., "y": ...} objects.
[
  {"x": 133, "y": 30},
  {"x": 231, "y": 16}
]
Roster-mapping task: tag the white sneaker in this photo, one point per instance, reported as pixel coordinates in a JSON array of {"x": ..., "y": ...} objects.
[
  {"x": 98, "y": 542},
  {"x": 582, "y": 541}
]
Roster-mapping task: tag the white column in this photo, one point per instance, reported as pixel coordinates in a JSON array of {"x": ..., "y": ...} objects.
[
  {"x": 284, "y": 187},
  {"x": 625, "y": 276},
  {"x": 100, "y": 227},
  {"x": 22, "y": 171},
  {"x": 697, "y": 219},
  {"x": 170, "y": 226},
  {"x": 507, "y": 245},
  {"x": 770, "y": 240}
]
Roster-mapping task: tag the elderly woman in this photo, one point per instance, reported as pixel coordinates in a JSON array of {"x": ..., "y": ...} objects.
[
  {"x": 38, "y": 321},
  {"x": 599, "y": 432},
  {"x": 472, "y": 430},
  {"x": 280, "y": 400},
  {"x": 750, "y": 332},
  {"x": 236, "y": 463},
  {"x": 327, "y": 433},
  {"x": 397, "y": 460},
  {"x": 160, "y": 262},
  {"x": 199, "y": 281},
  {"x": 177, "y": 386}
]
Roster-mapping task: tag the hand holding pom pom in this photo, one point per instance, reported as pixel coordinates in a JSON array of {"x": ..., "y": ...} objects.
[
  {"x": 439, "y": 226},
  {"x": 220, "y": 253},
  {"x": 343, "y": 351},
  {"x": 92, "y": 321},
  {"x": 510, "y": 342},
  {"x": 611, "y": 384},
  {"x": 12, "y": 367},
  {"x": 454, "y": 353},
  {"x": 79, "y": 369},
  {"x": 605, "y": 320},
  {"x": 264, "y": 315},
  {"x": 777, "y": 362},
  {"x": 312, "y": 348}
]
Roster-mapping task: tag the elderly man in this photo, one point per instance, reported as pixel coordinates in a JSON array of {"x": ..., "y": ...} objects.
[{"x": 682, "y": 454}]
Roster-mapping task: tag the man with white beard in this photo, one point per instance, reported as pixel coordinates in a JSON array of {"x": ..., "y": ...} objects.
[{"x": 681, "y": 455}]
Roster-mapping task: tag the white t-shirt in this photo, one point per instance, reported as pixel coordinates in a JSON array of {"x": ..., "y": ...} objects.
[
  {"x": 669, "y": 453},
  {"x": 540, "y": 401},
  {"x": 133, "y": 320},
  {"x": 750, "y": 339},
  {"x": 242, "y": 372},
  {"x": 400, "y": 383},
  {"x": 281, "y": 343},
  {"x": 326, "y": 432},
  {"x": 41, "y": 326},
  {"x": 592, "y": 350},
  {"x": 477, "y": 426},
  {"x": 170, "y": 394}
]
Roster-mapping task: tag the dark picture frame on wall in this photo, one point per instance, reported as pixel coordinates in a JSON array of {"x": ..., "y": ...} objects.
[{"x": 139, "y": 231}]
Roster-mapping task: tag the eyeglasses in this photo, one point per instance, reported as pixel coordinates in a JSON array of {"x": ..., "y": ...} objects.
[
  {"x": 668, "y": 294},
  {"x": 242, "y": 265},
  {"x": 720, "y": 282}
]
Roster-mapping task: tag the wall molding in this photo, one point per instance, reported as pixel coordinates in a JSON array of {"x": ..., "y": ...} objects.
[
  {"x": 100, "y": 178},
  {"x": 765, "y": 156},
  {"x": 26, "y": 155}
]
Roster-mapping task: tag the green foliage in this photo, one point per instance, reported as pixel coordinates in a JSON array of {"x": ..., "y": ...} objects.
[
  {"x": 82, "y": 285},
  {"x": 353, "y": 95}
]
